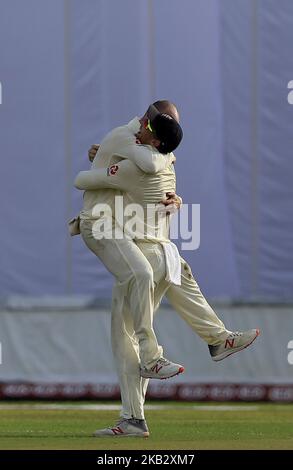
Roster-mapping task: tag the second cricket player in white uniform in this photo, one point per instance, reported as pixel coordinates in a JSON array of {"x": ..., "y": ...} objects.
[{"x": 143, "y": 188}]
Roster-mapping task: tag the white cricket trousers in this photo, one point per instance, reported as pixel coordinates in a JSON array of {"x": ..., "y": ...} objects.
[
  {"x": 134, "y": 278},
  {"x": 186, "y": 299}
]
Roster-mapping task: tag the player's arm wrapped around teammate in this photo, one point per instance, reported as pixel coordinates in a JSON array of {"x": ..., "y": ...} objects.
[
  {"x": 117, "y": 176},
  {"x": 146, "y": 157}
]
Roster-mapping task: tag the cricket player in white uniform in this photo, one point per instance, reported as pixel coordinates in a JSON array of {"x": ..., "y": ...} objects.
[
  {"x": 186, "y": 298},
  {"x": 120, "y": 255}
]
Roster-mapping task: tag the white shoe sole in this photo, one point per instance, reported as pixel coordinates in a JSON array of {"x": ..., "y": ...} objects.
[
  {"x": 235, "y": 350},
  {"x": 180, "y": 371},
  {"x": 143, "y": 435}
]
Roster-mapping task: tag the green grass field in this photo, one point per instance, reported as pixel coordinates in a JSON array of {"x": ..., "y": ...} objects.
[{"x": 180, "y": 426}]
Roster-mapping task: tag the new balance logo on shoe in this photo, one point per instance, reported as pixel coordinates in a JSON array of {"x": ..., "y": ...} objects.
[
  {"x": 229, "y": 343},
  {"x": 117, "y": 431},
  {"x": 156, "y": 368}
]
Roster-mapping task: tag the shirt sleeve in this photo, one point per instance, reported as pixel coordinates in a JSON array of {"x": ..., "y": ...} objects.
[
  {"x": 146, "y": 157},
  {"x": 121, "y": 176},
  {"x": 134, "y": 125}
]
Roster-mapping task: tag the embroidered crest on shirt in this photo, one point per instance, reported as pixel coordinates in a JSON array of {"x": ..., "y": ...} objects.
[{"x": 112, "y": 170}]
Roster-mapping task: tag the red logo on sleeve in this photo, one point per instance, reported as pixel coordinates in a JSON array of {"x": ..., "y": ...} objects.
[{"x": 112, "y": 170}]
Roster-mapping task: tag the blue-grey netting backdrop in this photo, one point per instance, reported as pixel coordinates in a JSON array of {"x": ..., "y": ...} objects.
[{"x": 72, "y": 70}]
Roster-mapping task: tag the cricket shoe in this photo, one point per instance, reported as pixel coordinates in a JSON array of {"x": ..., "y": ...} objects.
[
  {"x": 162, "y": 369},
  {"x": 234, "y": 342},
  {"x": 125, "y": 428}
]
